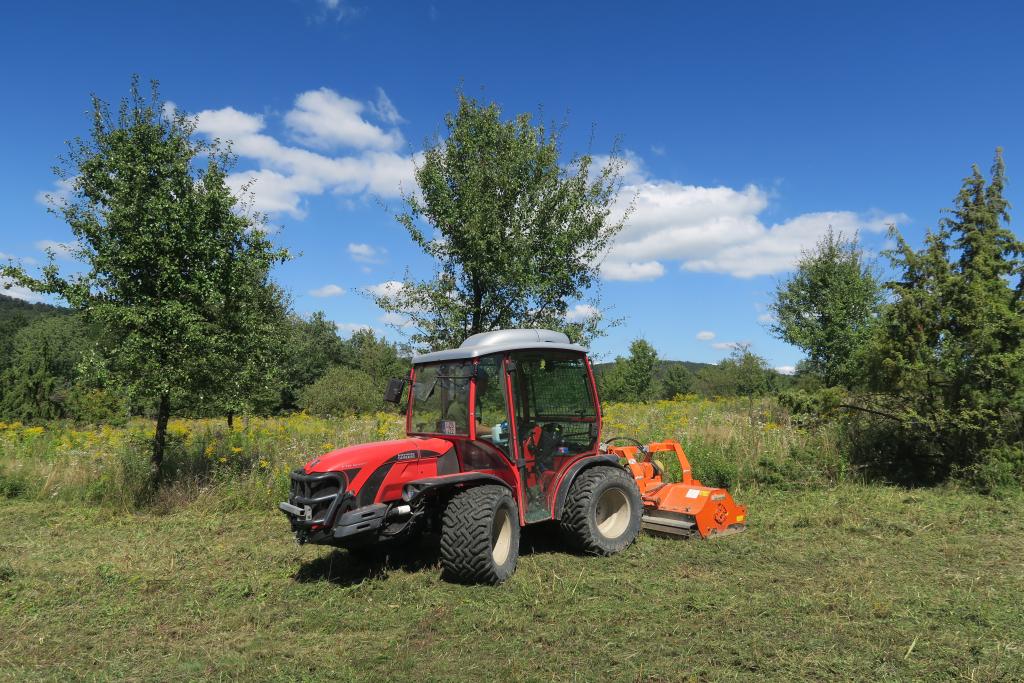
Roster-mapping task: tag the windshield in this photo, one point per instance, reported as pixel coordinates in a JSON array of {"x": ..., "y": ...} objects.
[{"x": 440, "y": 398}]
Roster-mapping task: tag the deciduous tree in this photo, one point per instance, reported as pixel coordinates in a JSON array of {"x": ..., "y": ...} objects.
[
  {"x": 162, "y": 244},
  {"x": 827, "y": 307},
  {"x": 515, "y": 234}
]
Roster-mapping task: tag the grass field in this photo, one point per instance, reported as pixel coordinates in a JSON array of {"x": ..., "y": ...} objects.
[
  {"x": 836, "y": 579},
  {"x": 852, "y": 583}
]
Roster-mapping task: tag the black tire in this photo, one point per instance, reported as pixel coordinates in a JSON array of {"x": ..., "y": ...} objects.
[
  {"x": 480, "y": 536},
  {"x": 594, "y": 521}
]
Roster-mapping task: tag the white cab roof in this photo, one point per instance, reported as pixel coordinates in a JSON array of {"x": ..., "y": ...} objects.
[{"x": 500, "y": 341}]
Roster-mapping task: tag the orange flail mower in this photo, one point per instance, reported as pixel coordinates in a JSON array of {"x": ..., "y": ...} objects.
[{"x": 684, "y": 508}]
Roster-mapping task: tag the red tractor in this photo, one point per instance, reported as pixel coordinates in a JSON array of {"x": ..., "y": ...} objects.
[{"x": 503, "y": 431}]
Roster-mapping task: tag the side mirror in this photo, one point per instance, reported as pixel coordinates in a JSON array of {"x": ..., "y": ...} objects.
[{"x": 393, "y": 394}]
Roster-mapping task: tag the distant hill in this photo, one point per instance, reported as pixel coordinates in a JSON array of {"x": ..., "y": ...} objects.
[{"x": 16, "y": 308}]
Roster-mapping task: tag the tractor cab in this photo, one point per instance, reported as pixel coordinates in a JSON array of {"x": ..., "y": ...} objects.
[{"x": 518, "y": 404}]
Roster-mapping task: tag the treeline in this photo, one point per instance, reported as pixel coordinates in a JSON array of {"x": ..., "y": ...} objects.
[
  {"x": 919, "y": 356},
  {"x": 642, "y": 376},
  {"x": 50, "y": 370}
]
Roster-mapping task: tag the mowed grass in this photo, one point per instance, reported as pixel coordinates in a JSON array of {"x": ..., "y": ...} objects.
[{"x": 849, "y": 583}]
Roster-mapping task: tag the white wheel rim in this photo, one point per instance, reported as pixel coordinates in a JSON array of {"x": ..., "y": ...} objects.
[
  {"x": 501, "y": 537},
  {"x": 612, "y": 512}
]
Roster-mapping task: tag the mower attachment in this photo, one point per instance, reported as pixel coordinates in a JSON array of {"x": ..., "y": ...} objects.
[{"x": 685, "y": 508}]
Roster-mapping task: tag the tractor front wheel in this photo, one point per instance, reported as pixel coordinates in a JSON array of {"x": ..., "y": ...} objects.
[
  {"x": 602, "y": 512},
  {"x": 480, "y": 536}
]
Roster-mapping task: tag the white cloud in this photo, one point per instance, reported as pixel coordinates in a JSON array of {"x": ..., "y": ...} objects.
[
  {"x": 8, "y": 288},
  {"x": 631, "y": 166},
  {"x": 336, "y": 9},
  {"x": 776, "y": 249},
  {"x": 327, "y": 290},
  {"x": 395, "y": 320},
  {"x": 287, "y": 173},
  {"x": 385, "y": 110},
  {"x": 705, "y": 335},
  {"x": 366, "y": 253},
  {"x": 722, "y": 346},
  {"x": 658, "y": 150},
  {"x": 59, "y": 195},
  {"x": 59, "y": 249},
  {"x": 766, "y": 318},
  {"x": 27, "y": 260},
  {"x": 228, "y": 123},
  {"x": 714, "y": 229},
  {"x": 387, "y": 289},
  {"x": 274, "y": 192},
  {"x": 786, "y": 370},
  {"x": 581, "y": 312},
  {"x": 632, "y": 270},
  {"x": 323, "y": 118}
]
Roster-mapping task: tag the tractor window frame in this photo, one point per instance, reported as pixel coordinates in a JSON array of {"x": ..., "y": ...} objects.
[
  {"x": 440, "y": 377},
  {"x": 497, "y": 386}
]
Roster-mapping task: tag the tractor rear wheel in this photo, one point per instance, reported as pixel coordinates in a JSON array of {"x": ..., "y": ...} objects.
[
  {"x": 480, "y": 536},
  {"x": 603, "y": 510}
]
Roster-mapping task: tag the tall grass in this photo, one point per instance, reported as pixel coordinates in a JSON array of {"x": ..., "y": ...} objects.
[{"x": 738, "y": 444}]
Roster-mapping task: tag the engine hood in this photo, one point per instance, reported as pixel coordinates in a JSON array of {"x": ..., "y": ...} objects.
[{"x": 372, "y": 454}]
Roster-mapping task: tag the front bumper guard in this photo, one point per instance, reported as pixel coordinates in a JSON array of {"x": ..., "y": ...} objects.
[
  {"x": 301, "y": 504},
  {"x": 338, "y": 519}
]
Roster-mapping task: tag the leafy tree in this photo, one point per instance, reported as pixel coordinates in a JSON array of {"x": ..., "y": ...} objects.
[
  {"x": 640, "y": 366},
  {"x": 828, "y": 306},
  {"x": 677, "y": 381},
  {"x": 378, "y": 358},
  {"x": 312, "y": 347},
  {"x": 631, "y": 379},
  {"x": 742, "y": 373},
  {"x": 514, "y": 234},
  {"x": 14, "y": 315},
  {"x": 342, "y": 391},
  {"x": 947, "y": 366},
  {"x": 157, "y": 234},
  {"x": 42, "y": 370}
]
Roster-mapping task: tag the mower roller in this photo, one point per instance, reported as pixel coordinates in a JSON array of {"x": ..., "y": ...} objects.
[{"x": 685, "y": 508}]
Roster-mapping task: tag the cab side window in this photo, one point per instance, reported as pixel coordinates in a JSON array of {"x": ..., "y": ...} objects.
[
  {"x": 553, "y": 392},
  {"x": 491, "y": 411}
]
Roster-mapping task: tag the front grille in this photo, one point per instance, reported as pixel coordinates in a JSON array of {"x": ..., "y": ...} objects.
[{"x": 323, "y": 493}]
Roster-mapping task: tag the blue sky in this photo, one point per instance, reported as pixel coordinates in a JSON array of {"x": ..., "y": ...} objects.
[{"x": 750, "y": 127}]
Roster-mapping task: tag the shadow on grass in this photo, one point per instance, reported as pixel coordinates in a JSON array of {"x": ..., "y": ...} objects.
[{"x": 349, "y": 568}]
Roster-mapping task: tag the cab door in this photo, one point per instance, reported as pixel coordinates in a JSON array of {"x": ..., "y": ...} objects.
[{"x": 555, "y": 420}]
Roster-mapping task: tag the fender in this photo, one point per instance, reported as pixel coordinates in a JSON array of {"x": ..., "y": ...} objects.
[
  {"x": 418, "y": 487},
  {"x": 570, "y": 476}
]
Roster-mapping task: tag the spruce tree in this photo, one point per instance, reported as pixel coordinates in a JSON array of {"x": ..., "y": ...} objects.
[{"x": 948, "y": 363}]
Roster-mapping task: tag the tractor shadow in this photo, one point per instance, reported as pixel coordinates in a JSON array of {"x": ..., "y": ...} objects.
[{"x": 348, "y": 568}]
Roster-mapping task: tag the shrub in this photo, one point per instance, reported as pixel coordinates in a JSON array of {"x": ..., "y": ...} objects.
[{"x": 342, "y": 391}]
